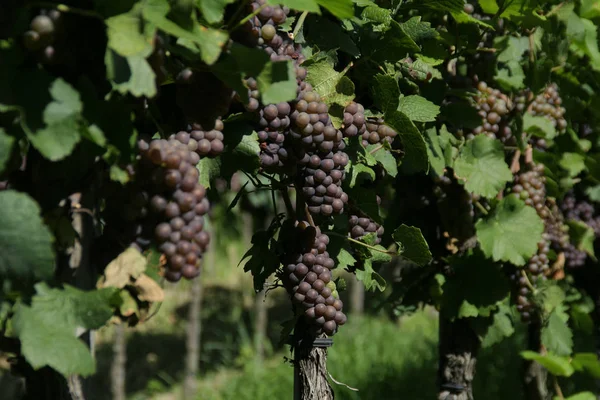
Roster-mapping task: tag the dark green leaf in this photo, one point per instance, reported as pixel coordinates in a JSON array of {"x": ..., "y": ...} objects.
[
  {"x": 413, "y": 244},
  {"x": 418, "y": 108},
  {"x": 557, "y": 336},
  {"x": 415, "y": 158},
  {"x": 213, "y": 10},
  {"x": 6, "y": 148},
  {"x": 502, "y": 326},
  {"x": 587, "y": 362},
  {"x": 386, "y": 93},
  {"x": 26, "y": 249},
  {"x": 130, "y": 75},
  {"x": 277, "y": 82},
  {"x": 340, "y": 8},
  {"x": 47, "y": 328}
]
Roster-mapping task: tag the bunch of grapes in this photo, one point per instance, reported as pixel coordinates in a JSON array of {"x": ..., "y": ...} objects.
[
  {"x": 531, "y": 188},
  {"x": 354, "y": 120},
  {"x": 201, "y": 141},
  {"x": 164, "y": 204},
  {"x": 548, "y": 104},
  {"x": 377, "y": 132},
  {"x": 494, "y": 108},
  {"x": 582, "y": 211},
  {"x": 360, "y": 226},
  {"x": 307, "y": 277},
  {"x": 558, "y": 232},
  {"x": 42, "y": 34}
]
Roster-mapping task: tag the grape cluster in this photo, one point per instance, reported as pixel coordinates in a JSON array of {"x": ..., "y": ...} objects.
[
  {"x": 202, "y": 142},
  {"x": 42, "y": 34},
  {"x": 164, "y": 204},
  {"x": 359, "y": 226},
  {"x": 531, "y": 188},
  {"x": 354, "y": 120},
  {"x": 307, "y": 277},
  {"x": 558, "y": 232},
  {"x": 548, "y": 104},
  {"x": 582, "y": 211},
  {"x": 377, "y": 132},
  {"x": 494, "y": 108}
]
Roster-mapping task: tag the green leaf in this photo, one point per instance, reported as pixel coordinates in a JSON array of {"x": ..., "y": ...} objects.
[
  {"x": 511, "y": 76},
  {"x": 582, "y": 236},
  {"x": 126, "y": 35},
  {"x": 511, "y": 232},
  {"x": 326, "y": 34},
  {"x": 47, "y": 329},
  {"x": 464, "y": 295},
  {"x": 333, "y": 86},
  {"x": 589, "y": 9},
  {"x": 26, "y": 250},
  {"x": 340, "y": 8},
  {"x": 300, "y": 5},
  {"x": 130, "y": 75},
  {"x": 573, "y": 163},
  {"x": 415, "y": 158},
  {"x": 582, "y": 35},
  {"x": 556, "y": 365},
  {"x": 418, "y": 108},
  {"x": 538, "y": 126},
  {"x": 386, "y": 93},
  {"x": 277, "y": 82},
  {"x": 6, "y": 147},
  {"x": 579, "y": 396},
  {"x": 213, "y": 10},
  {"x": 63, "y": 120},
  {"x": 374, "y": 13},
  {"x": 587, "y": 362},
  {"x": 371, "y": 279},
  {"x": 393, "y": 46},
  {"x": 444, "y": 5},
  {"x": 419, "y": 31},
  {"x": 345, "y": 259},
  {"x": 489, "y": 6},
  {"x": 359, "y": 169},
  {"x": 481, "y": 164},
  {"x": 515, "y": 47},
  {"x": 557, "y": 336},
  {"x": 414, "y": 245},
  {"x": 386, "y": 159},
  {"x": 209, "y": 41},
  {"x": 501, "y": 327}
]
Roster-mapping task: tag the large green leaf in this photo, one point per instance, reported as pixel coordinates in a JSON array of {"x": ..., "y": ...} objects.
[
  {"x": 332, "y": 85},
  {"x": 26, "y": 250},
  {"x": 277, "y": 82},
  {"x": 132, "y": 74},
  {"x": 339, "y": 8},
  {"x": 418, "y": 108},
  {"x": 511, "y": 232},
  {"x": 213, "y": 10},
  {"x": 481, "y": 165},
  {"x": 501, "y": 327},
  {"x": 386, "y": 93},
  {"x": 126, "y": 34},
  {"x": 47, "y": 328}
]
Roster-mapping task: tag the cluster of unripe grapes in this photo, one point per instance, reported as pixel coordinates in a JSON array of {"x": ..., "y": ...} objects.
[
  {"x": 42, "y": 34},
  {"x": 494, "y": 108},
  {"x": 548, "y": 104},
  {"x": 307, "y": 277},
  {"x": 530, "y": 186}
]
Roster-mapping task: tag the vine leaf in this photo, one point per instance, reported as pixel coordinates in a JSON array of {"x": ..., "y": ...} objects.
[
  {"x": 501, "y": 327},
  {"x": 415, "y": 158},
  {"x": 277, "y": 82},
  {"x": 556, "y": 334},
  {"x": 340, "y": 8},
  {"x": 556, "y": 365},
  {"x": 371, "y": 279},
  {"x": 130, "y": 74},
  {"x": 386, "y": 93},
  {"x": 481, "y": 164},
  {"x": 573, "y": 163},
  {"x": 25, "y": 242},
  {"x": 213, "y": 10},
  {"x": 47, "y": 328},
  {"x": 511, "y": 232},
  {"x": 414, "y": 245},
  {"x": 386, "y": 159},
  {"x": 582, "y": 236},
  {"x": 538, "y": 126},
  {"x": 580, "y": 396},
  {"x": 587, "y": 362},
  {"x": 126, "y": 34},
  {"x": 6, "y": 146},
  {"x": 333, "y": 86},
  {"x": 359, "y": 170},
  {"x": 63, "y": 122},
  {"x": 127, "y": 267},
  {"x": 418, "y": 108}
]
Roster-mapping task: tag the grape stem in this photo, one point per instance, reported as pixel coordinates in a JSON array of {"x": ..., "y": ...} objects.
[
  {"x": 376, "y": 149},
  {"x": 527, "y": 281},
  {"x": 559, "y": 392},
  {"x": 481, "y": 207},
  {"x": 368, "y": 246},
  {"x": 309, "y": 216},
  {"x": 249, "y": 17},
  {"x": 299, "y": 24},
  {"x": 67, "y": 9}
]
